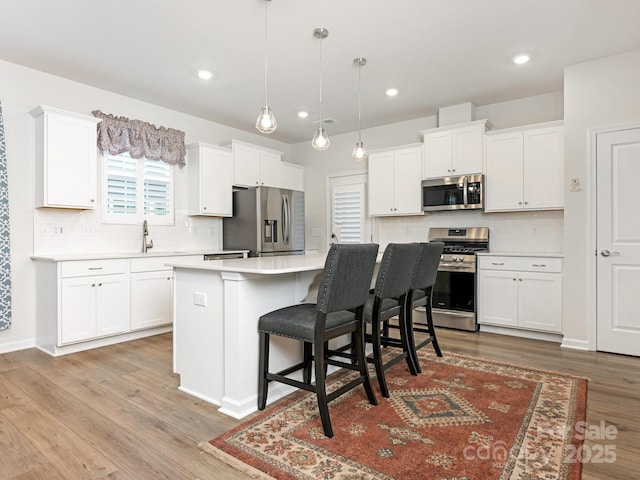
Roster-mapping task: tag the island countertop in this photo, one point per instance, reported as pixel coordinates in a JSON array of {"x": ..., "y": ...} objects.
[{"x": 277, "y": 265}]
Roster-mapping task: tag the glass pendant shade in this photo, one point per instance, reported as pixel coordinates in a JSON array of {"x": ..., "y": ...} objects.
[
  {"x": 359, "y": 152},
  {"x": 320, "y": 140},
  {"x": 266, "y": 121}
]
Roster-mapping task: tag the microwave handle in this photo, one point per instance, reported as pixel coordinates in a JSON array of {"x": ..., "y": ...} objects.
[{"x": 465, "y": 191}]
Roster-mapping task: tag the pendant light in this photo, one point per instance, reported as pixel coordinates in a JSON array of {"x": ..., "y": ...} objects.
[
  {"x": 266, "y": 121},
  {"x": 359, "y": 152},
  {"x": 320, "y": 139}
]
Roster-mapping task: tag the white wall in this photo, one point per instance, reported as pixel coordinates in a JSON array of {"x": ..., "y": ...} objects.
[
  {"x": 509, "y": 231},
  {"x": 598, "y": 94},
  {"x": 22, "y": 89}
]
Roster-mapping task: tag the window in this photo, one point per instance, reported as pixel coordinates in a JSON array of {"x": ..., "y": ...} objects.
[{"x": 137, "y": 189}]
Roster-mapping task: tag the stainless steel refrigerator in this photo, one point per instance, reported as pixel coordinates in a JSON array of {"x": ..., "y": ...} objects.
[{"x": 266, "y": 221}]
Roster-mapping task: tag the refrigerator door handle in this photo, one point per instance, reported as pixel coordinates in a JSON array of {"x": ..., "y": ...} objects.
[{"x": 286, "y": 224}]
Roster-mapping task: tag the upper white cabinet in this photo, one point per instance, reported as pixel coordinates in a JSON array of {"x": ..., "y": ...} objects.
[
  {"x": 66, "y": 159},
  {"x": 525, "y": 168},
  {"x": 292, "y": 176},
  {"x": 454, "y": 150},
  {"x": 255, "y": 166},
  {"x": 210, "y": 180},
  {"x": 395, "y": 186}
]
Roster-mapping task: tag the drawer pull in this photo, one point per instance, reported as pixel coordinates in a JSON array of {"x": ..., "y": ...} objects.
[
  {"x": 95, "y": 268},
  {"x": 538, "y": 265},
  {"x": 497, "y": 263}
]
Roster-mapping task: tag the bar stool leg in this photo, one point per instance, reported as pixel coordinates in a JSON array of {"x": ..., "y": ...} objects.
[
  {"x": 376, "y": 342},
  {"x": 361, "y": 359},
  {"x": 321, "y": 391},
  {"x": 432, "y": 330},
  {"x": 263, "y": 368}
]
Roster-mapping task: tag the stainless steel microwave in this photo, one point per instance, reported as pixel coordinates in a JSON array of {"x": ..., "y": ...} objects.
[{"x": 452, "y": 193}]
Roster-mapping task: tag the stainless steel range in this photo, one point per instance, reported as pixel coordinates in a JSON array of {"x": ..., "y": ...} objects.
[{"x": 454, "y": 294}]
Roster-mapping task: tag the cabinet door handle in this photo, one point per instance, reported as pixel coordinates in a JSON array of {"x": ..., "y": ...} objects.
[
  {"x": 497, "y": 263},
  {"x": 93, "y": 284},
  {"x": 538, "y": 265},
  {"x": 100, "y": 284},
  {"x": 519, "y": 279},
  {"x": 91, "y": 200},
  {"x": 168, "y": 278},
  {"x": 513, "y": 279}
]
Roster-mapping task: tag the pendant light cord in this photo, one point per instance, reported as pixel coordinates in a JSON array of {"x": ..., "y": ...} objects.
[
  {"x": 359, "y": 102},
  {"x": 266, "y": 64},
  {"x": 321, "y": 83}
]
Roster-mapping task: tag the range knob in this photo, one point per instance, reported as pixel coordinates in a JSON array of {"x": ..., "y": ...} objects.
[{"x": 454, "y": 258}]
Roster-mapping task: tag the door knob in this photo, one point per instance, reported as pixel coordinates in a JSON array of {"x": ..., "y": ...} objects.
[{"x": 607, "y": 253}]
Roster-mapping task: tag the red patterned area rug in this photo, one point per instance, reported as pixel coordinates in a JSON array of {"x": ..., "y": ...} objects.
[{"x": 462, "y": 418}]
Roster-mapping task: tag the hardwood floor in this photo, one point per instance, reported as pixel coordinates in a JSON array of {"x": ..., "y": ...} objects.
[{"x": 115, "y": 412}]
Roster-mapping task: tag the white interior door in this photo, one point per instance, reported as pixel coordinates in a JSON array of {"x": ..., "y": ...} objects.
[
  {"x": 349, "y": 222},
  {"x": 618, "y": 241}
]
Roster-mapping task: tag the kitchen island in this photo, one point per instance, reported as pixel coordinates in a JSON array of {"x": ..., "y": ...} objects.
[{"x": 217, "y": 305}]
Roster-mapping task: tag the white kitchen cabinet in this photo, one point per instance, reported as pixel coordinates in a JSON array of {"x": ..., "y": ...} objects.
[
  {"x": 520, "y": 292},
  {"x": 93, "y": 307},
  {"x": 94, "y": 300},
  {"x": 525, "y": 168},
  {"x": 454, "y": 150},
  {"x": 66, "y": 159},
  {"x": 210, "y": 172},
  {"x": 395, "y": 186},
  {"x": 292, "y": 176},
  {"x": 255, "y": 166},
  {"x": 151, "y": 292}
]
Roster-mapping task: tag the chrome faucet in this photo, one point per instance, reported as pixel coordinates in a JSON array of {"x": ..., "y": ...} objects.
[{"x": 145, "y": 233}]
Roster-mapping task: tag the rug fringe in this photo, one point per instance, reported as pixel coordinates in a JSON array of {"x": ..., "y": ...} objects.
[{"x": 233, "y": 462}]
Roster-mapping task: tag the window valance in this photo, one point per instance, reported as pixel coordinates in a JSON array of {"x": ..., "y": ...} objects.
[{"x": 141, "y": 139}]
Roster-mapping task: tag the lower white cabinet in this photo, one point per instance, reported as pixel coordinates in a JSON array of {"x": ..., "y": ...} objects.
[
  {"x": 151, "y": 293},
  {"x": 92, "y": 307},
  {"x": 520, "y": 292},
  {"x": 82, "y": 304}
]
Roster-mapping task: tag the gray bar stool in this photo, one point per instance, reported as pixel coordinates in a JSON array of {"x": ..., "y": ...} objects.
[
  {"x": 420, "y": 295},
  {"x": 388, "y": 300},
  {"x": 342, "y": 294}
]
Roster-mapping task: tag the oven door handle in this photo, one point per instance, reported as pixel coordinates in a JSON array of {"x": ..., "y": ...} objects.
[{"x": 457, "y": 268}]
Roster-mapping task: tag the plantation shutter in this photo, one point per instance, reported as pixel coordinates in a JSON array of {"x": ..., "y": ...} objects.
[
  {"x": 349, "y": 213},
  {"x": 122, "y": 185},
  {"x": 157, "y": 192}
]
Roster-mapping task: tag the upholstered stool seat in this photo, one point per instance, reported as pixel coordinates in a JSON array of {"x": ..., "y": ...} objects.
[{"x": 299, "y": 321}]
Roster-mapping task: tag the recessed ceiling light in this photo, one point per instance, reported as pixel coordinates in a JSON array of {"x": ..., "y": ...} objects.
[
  {"x": 303, "y": 114},
  {"x": 521, "y": 59},
  {"x": 205, "y": 74},
  {"x": 392, "y": 92}
]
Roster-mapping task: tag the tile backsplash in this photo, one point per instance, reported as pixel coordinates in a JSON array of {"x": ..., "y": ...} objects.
[
  {"x": 58, "y": 231},
  {"x": 540, "y": 231}
]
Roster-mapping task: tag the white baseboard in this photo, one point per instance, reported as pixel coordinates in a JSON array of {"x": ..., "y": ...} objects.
[
  {"x": 575, "y": 344},
  {"x": 15, "y": 346},
  {"x": 517, "y": 332}
]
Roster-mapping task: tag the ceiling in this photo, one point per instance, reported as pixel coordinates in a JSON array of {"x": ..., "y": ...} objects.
[{"x": 437, "y": 53}]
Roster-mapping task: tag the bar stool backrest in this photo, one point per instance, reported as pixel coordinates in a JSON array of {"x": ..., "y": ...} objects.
[
  {"x": 396, "y": 270},
  {"x": 346, "y": 277},
  {"x": 427, "y": 265}
]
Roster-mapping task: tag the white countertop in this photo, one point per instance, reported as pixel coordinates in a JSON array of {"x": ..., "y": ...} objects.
[
  {"x": 258, "y": 265},
  {"x": 104, "y": 256},
  {"x": 522, "y": 254}
]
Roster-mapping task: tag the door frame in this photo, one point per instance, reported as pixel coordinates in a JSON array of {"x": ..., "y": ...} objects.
[
  {"x": 327, "y": 196},
  {"x": 592, "y": 241}
]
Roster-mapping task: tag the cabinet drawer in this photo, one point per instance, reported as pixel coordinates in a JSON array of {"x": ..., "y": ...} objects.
[
  {"x": 521, "y": 264},
  {"x": 82, "y": 268}
]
